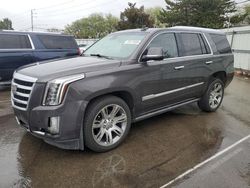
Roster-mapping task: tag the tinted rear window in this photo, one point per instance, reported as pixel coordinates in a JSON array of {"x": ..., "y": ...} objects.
[
  {"x": 12, "y": 41},
  {"x": 221, "y": 43},
  {"x": 58, "y": 42},
  {"x": 189, "y": 44}
]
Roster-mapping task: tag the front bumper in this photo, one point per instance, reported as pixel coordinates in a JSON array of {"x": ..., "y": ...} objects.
[
  {"x": 71, "y": 113},
  {"x": 73, "y": 144}
]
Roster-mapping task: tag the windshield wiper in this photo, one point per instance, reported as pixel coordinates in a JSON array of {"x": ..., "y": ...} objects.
[{"x": 101, "y": 56}]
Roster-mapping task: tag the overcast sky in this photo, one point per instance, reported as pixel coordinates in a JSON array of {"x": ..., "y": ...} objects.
[{"x": 58, "y": 13}]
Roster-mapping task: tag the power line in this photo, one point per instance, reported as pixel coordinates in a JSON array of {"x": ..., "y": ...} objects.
[
  {"x": 56, "y": 9},
  {"x": 58, "y": 4},
  {"x": 62, "y": 13}
]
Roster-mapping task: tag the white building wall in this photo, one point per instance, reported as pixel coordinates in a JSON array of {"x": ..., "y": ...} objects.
[{"x": 239, "y": 39}]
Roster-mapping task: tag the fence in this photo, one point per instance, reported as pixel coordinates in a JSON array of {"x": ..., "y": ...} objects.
[
  {"x": 239, "y": 39},
  {"x": 86, "y": 41}
]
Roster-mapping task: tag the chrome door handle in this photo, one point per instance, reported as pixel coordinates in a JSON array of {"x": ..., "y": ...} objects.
[
  {"x": 209, "y": 62},
  {"x": 179, "y": 68}
]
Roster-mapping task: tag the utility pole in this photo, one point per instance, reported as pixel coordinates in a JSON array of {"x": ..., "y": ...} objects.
[{"x": 32, "y": 17}]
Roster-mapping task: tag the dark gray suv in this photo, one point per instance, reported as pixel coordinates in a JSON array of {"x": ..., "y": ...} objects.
[{"x": 125, "y": 77}]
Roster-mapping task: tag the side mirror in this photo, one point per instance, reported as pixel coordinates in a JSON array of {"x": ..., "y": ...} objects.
[{"x": 154, "y": 53}]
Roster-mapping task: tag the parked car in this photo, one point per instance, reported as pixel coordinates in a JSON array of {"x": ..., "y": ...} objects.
[
  {"x": 22, "y": 48},
  {"x": 125, "y": 77}
]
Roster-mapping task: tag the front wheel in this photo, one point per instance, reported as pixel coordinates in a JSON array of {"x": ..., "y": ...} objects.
[
  {"x": 106, "y": 124},
  {"x": 213, "y": 97}
]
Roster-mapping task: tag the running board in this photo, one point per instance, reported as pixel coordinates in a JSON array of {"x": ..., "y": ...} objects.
[{"x": 161, "y": 111}]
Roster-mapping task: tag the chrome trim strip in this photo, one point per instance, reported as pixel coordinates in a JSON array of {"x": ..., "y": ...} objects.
[
  {"x": 17, "y": 107},
  {"x": 22, "y": 87},
  {"x": 163, "y": 110},
  {"x": 179, "y": 68},
  {"x": 24, "y": 77},
  {"x": 20, "y": 101},
  {"x": 39, "y": 132},
  {"x": 18, "y": 122},
  {"x": 31, "y": 42},
  {"x": 148, "y": 97},
  {"x": 209, "y": 62},
  {"x": 22, "y": 94}
]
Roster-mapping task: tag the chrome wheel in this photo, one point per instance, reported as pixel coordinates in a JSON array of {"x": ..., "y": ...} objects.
[
  {"x": 216, "y": 95},
  {"x": 109, "y": 125}
]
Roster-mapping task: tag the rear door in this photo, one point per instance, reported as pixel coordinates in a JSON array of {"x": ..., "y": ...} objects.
[
  {"x": 184, "y": 75},
  {"x": 15, "y": 50}
]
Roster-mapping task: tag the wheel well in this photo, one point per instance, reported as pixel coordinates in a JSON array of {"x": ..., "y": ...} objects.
[
  {"x": 124, "y": 95},
  {"x": 221, "y": 75}
]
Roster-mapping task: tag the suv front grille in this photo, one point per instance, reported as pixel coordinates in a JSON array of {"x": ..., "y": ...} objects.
[{"x": 21, "y": 89}]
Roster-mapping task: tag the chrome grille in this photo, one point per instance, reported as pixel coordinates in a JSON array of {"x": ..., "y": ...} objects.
[{"x": 21, "y": 89}]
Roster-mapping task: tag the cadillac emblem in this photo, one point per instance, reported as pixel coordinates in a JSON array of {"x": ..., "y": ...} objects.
[{"x": 14, "y": 88}]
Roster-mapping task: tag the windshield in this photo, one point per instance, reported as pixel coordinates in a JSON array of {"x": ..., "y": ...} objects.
[{"x": 118, "y": 45}]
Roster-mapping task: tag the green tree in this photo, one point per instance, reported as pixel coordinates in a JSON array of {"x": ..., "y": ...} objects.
[
  {"x": 133, "y": 17},
  {"x": 94, "y": 26},
  {"x": 154, "y": 14},
  {"x": 202, "y": 13},
  {"x": 247, "y": 13},
  {"x": 6, "y": 24}
]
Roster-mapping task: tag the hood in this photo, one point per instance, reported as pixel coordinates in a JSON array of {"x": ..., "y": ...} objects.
[{"x": 49, "y": 70}]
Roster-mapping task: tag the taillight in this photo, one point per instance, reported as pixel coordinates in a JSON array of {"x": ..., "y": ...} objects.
[{"x": 79, "y": 51}]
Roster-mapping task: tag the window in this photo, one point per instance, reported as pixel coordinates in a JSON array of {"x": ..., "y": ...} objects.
[
  {"x": 13, "y": 41},
  {"x": 221, "y": 43},
  {"x": 167, "y": 42},
  {"x": 58, "y": 42},
  {"x": 190, "y": 44},
  {"x": 118, "y": 45}
]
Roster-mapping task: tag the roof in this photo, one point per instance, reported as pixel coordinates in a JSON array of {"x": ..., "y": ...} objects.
[{"x": 31, "y": 32}]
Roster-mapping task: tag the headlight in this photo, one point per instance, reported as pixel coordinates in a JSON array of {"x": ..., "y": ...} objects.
[{"x": 56, "y": 89}]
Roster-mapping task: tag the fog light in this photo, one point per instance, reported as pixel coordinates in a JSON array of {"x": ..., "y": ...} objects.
[{"x": 53, "y": 127}]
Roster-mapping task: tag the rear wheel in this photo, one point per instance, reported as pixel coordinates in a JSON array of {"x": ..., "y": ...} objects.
[
  {"x": 106, "y": 124},
  {"x": 213, "y": 97}
]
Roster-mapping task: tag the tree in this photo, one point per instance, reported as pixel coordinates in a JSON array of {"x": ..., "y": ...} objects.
[
  {"x": 202, "y": 13},
  {"x": 133, "y": 17},
  {"x": 94, "y": 26},
  {"x": 6, "y": 24},
  {"x": 247, "y": 12},
  {"x": 241, "y": 17},
  {"x": 154, "y": 14}
]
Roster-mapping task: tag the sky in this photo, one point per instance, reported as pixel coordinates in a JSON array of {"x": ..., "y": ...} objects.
[{"x": 58, "y": 13}]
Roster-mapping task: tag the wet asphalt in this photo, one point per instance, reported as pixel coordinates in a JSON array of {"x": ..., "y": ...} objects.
[{"x": 156, "y": 151}]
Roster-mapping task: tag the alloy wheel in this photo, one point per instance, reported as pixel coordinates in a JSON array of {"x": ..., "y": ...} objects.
[
  {"x": 216, "y": 95},
  {"x": 109, "y": 125}
]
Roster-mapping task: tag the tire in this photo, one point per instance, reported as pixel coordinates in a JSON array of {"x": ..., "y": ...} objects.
[
  {"x": 104, "y": 130},
  {"x": 213, "y": 97}
]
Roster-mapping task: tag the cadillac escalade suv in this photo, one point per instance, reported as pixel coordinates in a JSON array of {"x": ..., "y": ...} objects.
[{"x": 91, "y": 100}]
